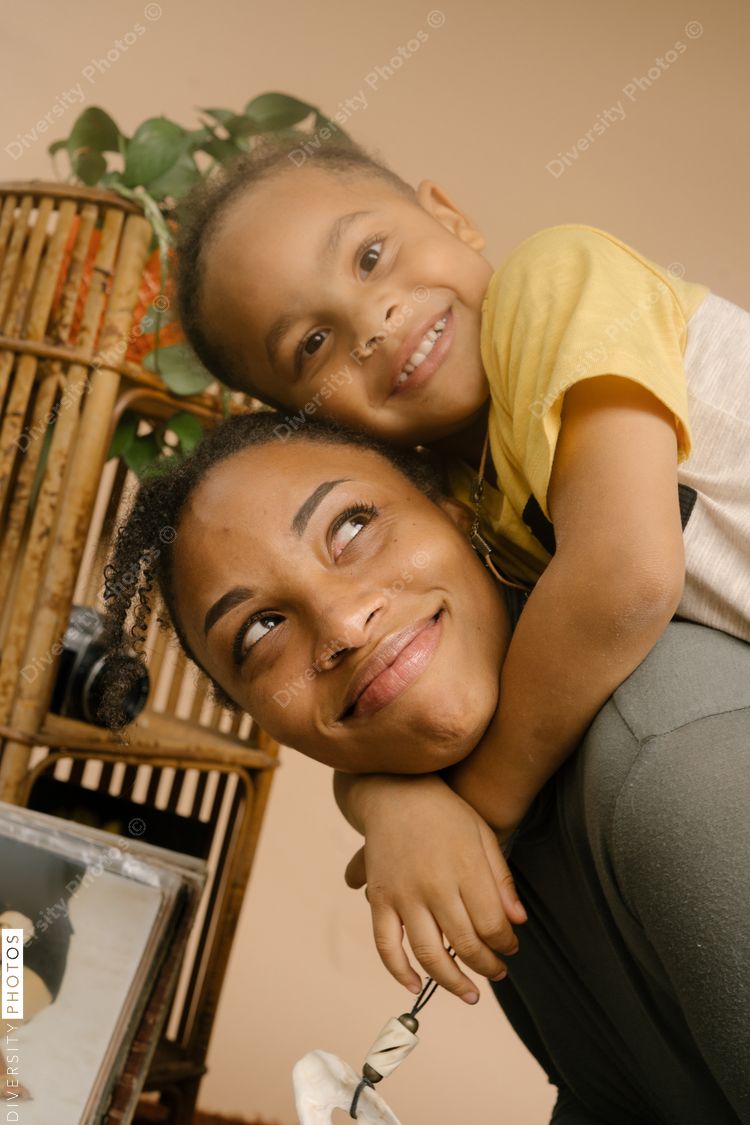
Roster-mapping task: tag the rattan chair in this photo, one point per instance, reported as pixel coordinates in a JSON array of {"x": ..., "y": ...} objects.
[{"x": 190, "y": 776}]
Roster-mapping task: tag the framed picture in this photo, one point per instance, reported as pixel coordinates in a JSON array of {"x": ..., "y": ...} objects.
[{"x": 96, "y": 914}]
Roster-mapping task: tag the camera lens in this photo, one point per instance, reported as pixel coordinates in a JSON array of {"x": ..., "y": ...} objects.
[{"x": 79, "y": 685}]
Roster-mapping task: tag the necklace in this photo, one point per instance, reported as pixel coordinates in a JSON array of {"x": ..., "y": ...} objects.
[{"x": 478, "y": 542}]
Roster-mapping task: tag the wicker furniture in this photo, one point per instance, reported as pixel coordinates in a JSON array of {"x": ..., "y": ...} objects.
[{"x": 184, "y": 759}]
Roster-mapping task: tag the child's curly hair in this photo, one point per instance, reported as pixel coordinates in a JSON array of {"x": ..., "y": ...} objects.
[
  {"x": 199, "y": 219},
  {"x": 143, "y": 556}
]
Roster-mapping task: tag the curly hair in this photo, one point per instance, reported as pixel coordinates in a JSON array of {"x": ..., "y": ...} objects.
[
  {"x": 199, "y": 221},
  {"x": 142, "y": 555}
]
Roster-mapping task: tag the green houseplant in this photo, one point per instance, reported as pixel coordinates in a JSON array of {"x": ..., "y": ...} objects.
[{"x": 160, "y": 163}]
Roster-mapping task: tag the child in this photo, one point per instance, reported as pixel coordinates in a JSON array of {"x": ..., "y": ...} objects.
[{"x": 571, "y": 355}]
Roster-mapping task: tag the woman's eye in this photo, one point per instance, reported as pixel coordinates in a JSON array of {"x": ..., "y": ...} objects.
[
  {"x": 369, "y": 259},
  {"x": 259, "y": 628},
  {"x": 315, "y": 341},
  {"x": 346, "y": 533}
]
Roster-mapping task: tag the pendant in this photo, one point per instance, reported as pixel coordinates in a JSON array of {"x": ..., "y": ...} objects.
[{"x": 324, "y": 1082}]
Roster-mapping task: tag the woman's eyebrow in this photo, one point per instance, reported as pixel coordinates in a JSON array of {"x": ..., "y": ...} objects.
[
  {"x": 226, "y": 602},
  {"x": 304, "y": 514}
]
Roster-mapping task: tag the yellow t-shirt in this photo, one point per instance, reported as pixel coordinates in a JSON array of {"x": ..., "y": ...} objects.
[{"x": 569, "y": 303}]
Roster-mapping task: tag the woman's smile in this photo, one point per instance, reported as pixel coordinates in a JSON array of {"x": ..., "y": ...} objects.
[{"x": 396, "y": 663}]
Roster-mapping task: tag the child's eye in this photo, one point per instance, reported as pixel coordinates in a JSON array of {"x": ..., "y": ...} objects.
[
  {"x": 260, "y": 627},
  {"x": 369, "y": 259},
  {"x": 312, "y": 343},
  {"x": 349, "y": 525}
]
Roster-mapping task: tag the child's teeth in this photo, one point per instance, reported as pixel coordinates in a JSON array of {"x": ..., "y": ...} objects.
[{"x": 426, "y": 345}]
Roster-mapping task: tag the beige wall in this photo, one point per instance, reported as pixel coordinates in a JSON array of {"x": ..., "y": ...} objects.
[{"x": 489, "y": 99}]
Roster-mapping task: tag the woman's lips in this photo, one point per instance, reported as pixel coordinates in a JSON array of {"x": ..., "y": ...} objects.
[
  {"x": 430, "y": 365},
  {"x": 405, "y": 669}
]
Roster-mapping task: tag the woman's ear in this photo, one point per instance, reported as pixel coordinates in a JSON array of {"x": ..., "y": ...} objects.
[
  {"x": 459, "y": 513},
  {"x": 437, "y": 203}
]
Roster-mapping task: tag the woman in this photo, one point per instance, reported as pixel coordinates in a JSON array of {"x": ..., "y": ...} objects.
[{"x": 326, "y": 586}]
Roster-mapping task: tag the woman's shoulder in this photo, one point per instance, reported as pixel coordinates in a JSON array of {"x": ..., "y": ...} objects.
[{"x": 691, "y": 673}]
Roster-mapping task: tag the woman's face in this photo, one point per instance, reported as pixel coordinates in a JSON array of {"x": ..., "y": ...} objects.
[{"x": 340, "y": 607}]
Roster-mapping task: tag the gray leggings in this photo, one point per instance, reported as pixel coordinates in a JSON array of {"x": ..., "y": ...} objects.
[{"x": 632, "y": 982}]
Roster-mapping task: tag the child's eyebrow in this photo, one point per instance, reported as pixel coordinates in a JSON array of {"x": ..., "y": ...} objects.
[
  {"x": 339, "y": 228},
  {"x": 281, "y": 326},
  {"x": 276, "y": 334}
]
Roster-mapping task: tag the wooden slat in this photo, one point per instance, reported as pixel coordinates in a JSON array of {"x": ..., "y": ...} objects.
[
  {"x": 69, "y": 537},
  {"x": 47, "y": 506},
  {"x": 18, "y": 509},
  {"x": 12, "y": 324},
  {"x": 163, "y": 735},
  {"x": 39, "y": 189},
  {"x": 60, "y": 328},
  {"x": 200, "y": 694},
  {"x": 44, "y": 290},
  {"x": 96, "y": 576},
  {"x": 176, "y": 684},
  {"x": 6, "y": 224}
]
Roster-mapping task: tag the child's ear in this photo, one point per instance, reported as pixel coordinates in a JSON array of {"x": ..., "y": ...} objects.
[
  {"x": 460, "y": 513},
  {"x": 440, "y": 205}
]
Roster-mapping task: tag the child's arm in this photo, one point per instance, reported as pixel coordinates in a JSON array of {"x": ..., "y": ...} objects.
[
  {"x": 609, "y": 592},
  {"x": 602, "y": 603},
  {"x": 432, "y": 867}
]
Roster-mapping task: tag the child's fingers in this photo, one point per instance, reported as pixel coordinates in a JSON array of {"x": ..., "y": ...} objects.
[
  {"x": 356, "y": 872},
  {"x": 426, "y": 940},
  {"x": 512, "y": 904},
  {"x": 459, "y": 925},
  {"x": 389, "y": 939}
]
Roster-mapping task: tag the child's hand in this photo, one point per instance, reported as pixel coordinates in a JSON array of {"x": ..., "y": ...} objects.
[{"x": 432, "y": 867}]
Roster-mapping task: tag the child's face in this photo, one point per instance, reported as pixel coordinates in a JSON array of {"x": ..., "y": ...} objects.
[
  {"x": 326, "y": 288},
  {"x": 345, "y": 611}
]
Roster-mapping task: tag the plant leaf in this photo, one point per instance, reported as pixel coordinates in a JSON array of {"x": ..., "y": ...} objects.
[
  {"x": 196, "y": 137},
  {"x": 141, "y": 453},
  {"x": 154, "y": 313},
  {"x": 220, "y": 149},
  {"x": 156, "y": 146},
  {"x": 188, "y": 430},
  {"x": 180, "y": 368},
  {"x": 341, "y": 136},
  {"x": 277, "y": 111},
  {"x": 89, "y": 166},
  {"x": 177, "y": 180},
  {"x": 220, "y": 115},
  {"x": 240, "y": 125},
  {"x": 94, "y": 129},
  {"x": 56, "y": 146},
  {"x": 124, "y": 434}
]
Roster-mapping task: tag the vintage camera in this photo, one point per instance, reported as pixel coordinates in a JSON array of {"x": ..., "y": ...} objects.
[{"x": 79, "y": 689}]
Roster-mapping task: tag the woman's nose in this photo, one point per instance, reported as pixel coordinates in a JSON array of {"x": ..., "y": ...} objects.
[{"x": 348, "y": 623}]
